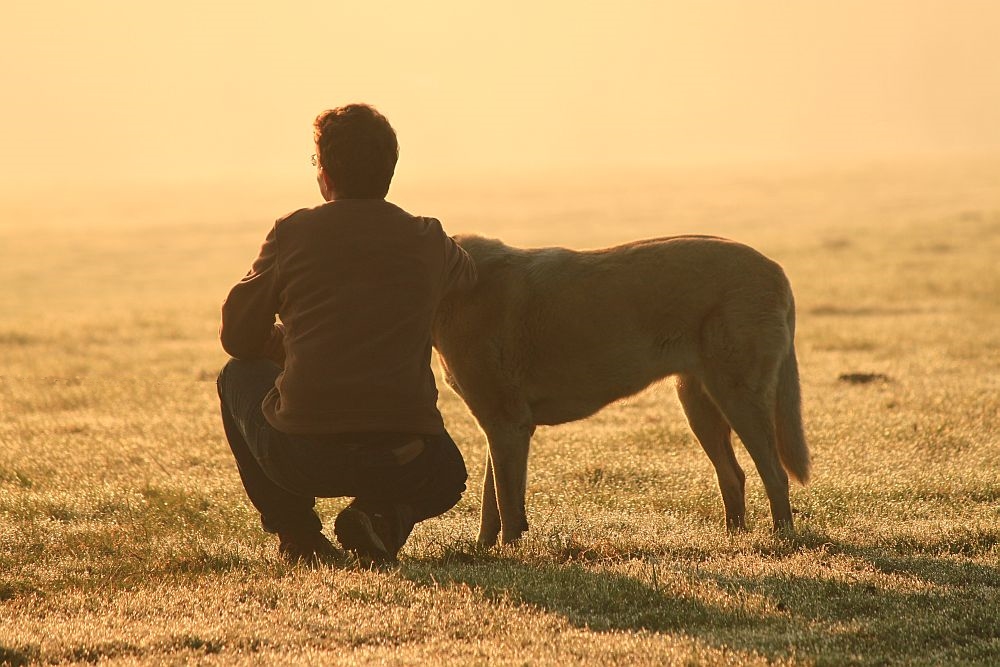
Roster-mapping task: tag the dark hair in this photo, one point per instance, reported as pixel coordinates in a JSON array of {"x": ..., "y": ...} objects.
[{"x": 357, "y": 150}]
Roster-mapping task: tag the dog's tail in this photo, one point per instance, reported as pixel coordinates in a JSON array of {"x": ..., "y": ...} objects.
[{"x": 792, "y": 447}]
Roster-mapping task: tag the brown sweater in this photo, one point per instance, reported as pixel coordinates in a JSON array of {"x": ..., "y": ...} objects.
[{"x": 355, "y": 283}]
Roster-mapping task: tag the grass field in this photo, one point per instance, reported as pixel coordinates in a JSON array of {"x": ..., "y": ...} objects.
[{"x": 125, "y": 536}]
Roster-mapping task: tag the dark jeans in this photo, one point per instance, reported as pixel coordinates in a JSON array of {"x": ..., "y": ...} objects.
[{"x": 284, "y": 473}]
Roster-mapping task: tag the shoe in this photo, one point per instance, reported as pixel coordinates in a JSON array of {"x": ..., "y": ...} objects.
[
  {"x": 368, "y": 535},
  {"x": 313, "y": 549}
]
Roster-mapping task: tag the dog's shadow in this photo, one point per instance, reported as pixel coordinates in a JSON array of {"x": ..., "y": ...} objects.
[{"x": 899, "y": 608}]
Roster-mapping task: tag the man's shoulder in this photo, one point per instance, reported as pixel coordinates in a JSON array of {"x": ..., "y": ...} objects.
[
  {"x": 306, "y": 214},
  {"x": 295, "y": 217},
  {"x": 354, "y": 208},
  {"x": 422, "y": 220},
  {"x": 351, "y": 217},
  {"x": 399, "y": 219}
]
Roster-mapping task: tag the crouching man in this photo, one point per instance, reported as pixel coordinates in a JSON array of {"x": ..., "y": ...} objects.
[{"x": 338, "y": 397}]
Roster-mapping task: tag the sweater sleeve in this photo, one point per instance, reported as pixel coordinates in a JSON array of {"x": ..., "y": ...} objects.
[
  {"x": 459, "y": 269},
  {"x": 249, "y": 330}
]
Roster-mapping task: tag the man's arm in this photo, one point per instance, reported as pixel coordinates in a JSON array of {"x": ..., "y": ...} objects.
[{"x": 249, "y": 330}]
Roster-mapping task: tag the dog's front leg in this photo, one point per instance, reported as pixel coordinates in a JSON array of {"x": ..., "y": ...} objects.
[
  {"x": 489, "y": 521},
  {"x": 509, "y": 463}
]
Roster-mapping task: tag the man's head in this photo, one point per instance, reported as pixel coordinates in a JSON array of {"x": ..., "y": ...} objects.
[{"x": 357, "y": 152}]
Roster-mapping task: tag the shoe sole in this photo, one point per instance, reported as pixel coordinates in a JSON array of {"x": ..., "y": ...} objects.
[{"x": 355, "y": 533}]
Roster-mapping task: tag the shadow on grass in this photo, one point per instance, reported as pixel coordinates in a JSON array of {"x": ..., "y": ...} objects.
[
  {"x": 16, "y": 656},
  {"x": 944, "y": 610}
]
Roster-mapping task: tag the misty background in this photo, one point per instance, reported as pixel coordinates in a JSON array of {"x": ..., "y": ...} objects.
[{"x": 113, "y": 94}]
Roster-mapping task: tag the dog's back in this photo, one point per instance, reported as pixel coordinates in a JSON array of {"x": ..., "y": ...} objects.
[{"x": 572, "y": 331}]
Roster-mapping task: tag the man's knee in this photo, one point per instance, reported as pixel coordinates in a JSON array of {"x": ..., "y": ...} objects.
[
  {"x": 459, "y": 474},
  {"x": 455, "y": 485},
  {"x": 220, "y": 382},
  {"x": 447, "y": 495},
  {"x": 451, "y": 470},
  {"x": 246, "y": 372}
]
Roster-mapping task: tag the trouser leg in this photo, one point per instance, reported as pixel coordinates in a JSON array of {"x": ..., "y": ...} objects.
[
  {"x": 242, "y": 386},
  {"x": 426, "y": 487},
  {"x": 443, "y": 476}
]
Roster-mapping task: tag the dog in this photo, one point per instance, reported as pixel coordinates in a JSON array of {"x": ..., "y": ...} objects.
[{"x": 551, "y": 335}]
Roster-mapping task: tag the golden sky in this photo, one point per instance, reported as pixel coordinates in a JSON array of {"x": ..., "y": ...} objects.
[{"x": 124, "y": 91}]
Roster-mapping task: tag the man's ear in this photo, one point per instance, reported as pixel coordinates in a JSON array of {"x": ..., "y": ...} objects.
[{"x": 326, "y": 186}]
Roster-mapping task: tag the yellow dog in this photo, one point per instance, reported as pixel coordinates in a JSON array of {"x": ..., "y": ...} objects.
[{"x": 550, "y": 335}]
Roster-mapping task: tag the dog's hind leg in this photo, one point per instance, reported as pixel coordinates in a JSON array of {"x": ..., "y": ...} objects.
[
  {"x": 713, "y": 432},
  {"x": 489, "y": 521},
  {"x": 509, "y": 444},
  {"x": 751, "y": 414}
]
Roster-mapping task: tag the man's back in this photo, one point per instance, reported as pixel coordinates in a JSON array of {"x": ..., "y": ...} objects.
[{"x": 356, "y": 283}]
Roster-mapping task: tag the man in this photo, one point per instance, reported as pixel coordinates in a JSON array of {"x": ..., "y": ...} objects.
[{"x": 338, "y": 397}]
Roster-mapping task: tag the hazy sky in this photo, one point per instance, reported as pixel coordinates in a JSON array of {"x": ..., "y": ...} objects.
[{"x": 107, "y": 91}]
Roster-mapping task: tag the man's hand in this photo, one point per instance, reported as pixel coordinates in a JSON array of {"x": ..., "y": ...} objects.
[{"x": 275, "y": 349}]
